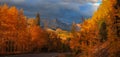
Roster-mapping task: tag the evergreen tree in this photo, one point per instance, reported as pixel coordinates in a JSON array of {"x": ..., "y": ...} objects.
[
  {"x": 103, "y": 31},
  {"x": 38, "y": 19}
]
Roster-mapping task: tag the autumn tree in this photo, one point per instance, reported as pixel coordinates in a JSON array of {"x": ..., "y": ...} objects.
[
  {"x": 23, "y": 33},
  {"x": 101, "y": 32},
  {"x": 8, "y": 27},
  {"x": 13, "y": 30},
  {"x": 108, "y": 13},
  {"x": 54, "y": 42},
  {"x": 39, "y": 38}
]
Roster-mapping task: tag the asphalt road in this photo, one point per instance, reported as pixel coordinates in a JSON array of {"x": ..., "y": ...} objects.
[{"x": 35, "y": 55}]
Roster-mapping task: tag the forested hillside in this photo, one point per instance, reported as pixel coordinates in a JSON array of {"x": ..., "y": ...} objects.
[{"x": 99, "y": 36}]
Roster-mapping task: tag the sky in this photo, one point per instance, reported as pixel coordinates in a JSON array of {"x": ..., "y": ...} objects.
[{"x": 65, "y": 10}]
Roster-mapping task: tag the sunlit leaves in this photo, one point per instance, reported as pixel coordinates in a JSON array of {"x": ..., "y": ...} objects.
[
  {"x": 13, "y": 27},
  {"x": 39, "y": 37}
]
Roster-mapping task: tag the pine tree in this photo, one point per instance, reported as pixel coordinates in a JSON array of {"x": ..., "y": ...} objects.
[
  {"x": 38, "y": 19},
  {"x": 103, "y": 31}
]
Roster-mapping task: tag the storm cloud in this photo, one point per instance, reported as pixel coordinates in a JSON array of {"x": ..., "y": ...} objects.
[{"x": 67, "y": 10}]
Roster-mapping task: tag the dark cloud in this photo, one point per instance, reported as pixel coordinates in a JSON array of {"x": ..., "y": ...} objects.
[{"x": 67, "y": 10}]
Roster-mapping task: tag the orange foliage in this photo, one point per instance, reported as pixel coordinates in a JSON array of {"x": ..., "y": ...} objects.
[
  {"x": 39, "y": 36},
  {"x": 103, "y": 24},
  {"x": 13, "y": 27}
]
